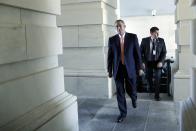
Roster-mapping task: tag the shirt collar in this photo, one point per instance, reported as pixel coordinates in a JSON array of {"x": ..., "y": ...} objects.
[
  {"x": 151, "y": 38},
  {"x": 122, "y": 36},
  {"x": 155, "y": 40}
]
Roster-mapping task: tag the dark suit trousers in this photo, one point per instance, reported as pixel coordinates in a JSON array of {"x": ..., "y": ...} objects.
[
  {"x": 153, "y": 77},
  {"x": 124, "y": 83}
]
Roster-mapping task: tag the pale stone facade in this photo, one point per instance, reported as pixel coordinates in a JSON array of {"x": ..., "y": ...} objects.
[
  {"x": 184, "y": 15},
  {"x": 188, "y": 110},
  {"x": 32, "y": 93},
  {"x": 86, "y": 27}
]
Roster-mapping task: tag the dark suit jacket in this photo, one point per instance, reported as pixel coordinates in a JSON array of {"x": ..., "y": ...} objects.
[
  {"x": 133, "y": 61},
  {"x": 160, "y": 50}
]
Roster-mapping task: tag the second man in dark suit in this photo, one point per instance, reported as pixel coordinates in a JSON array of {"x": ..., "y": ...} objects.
[{"x": 153, "y": 51}]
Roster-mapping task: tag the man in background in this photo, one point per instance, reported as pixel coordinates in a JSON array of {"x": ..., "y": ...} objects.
[{"x": 153, "y": 51}]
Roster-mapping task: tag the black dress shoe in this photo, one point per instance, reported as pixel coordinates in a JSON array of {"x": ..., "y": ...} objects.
[
  {"x": 120, "y": 119},
  {"x": 157, "y": 98},
  {"x": 134, "y": 103}
]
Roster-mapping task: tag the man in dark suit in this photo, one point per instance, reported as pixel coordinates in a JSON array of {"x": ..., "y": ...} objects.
[
  {"x": 124, "y": 62},
  {"x": 153, "y": 53}
]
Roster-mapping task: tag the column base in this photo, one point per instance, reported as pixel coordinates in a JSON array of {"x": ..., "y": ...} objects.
[
  {"x": 181, "y": 86},
  {"x": 57, "y": 114},
  {"x": 91, "y": 84},
  {"x": 187, "y": 116}
]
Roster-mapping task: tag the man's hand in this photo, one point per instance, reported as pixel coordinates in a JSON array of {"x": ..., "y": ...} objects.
[
  {"x": 144, "y": 66},
  {"x": 110, "y": 75},
  {"x": 159, "y": 65},
  {"x": 141, "y": 72}
]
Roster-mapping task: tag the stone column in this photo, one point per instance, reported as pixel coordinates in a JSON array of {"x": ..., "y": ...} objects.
[
  {"x": 188, "y": 106},
  {"x": 32, "y": 93},
  {"x": 193, "y": 47},
  {"x": 86, "y": 27},
  {"x": 184, "y": 15}
]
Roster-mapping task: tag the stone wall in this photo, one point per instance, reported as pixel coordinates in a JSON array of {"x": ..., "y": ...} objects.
[
  {"x": 32, "y": 93},
  {"x": 86, "y": 27}
]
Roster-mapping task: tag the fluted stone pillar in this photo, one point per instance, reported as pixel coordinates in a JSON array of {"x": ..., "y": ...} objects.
[
  {"x": 86, "y": 27},
  {"x": 184, "y": 15},
  {"x": 32, "y": 94}
]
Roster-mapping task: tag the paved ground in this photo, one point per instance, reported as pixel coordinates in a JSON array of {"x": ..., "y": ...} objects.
[{"x": 150, "y": 115}]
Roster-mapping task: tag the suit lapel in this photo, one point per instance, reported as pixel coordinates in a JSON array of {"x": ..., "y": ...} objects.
[
  {"x": 125, "y": 42},
  {"x": 157, "y": 43},
  {"x": 148, "y": 47},
  {"x": 118, "y": 42}
]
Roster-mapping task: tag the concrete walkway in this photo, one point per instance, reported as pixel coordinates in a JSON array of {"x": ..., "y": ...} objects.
[{"x": 150, "y": 115}]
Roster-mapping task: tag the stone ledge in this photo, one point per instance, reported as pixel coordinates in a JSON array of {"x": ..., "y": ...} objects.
[
  {"x": 85, "y": 73},
  {"x": 40, "y": 115},
  {"x": 188, "y": 115}
]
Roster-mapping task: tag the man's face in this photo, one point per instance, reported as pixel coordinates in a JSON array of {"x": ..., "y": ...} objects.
[
  {"x": 120, "y": 27},
  {"x": 155, "y": 34}
]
